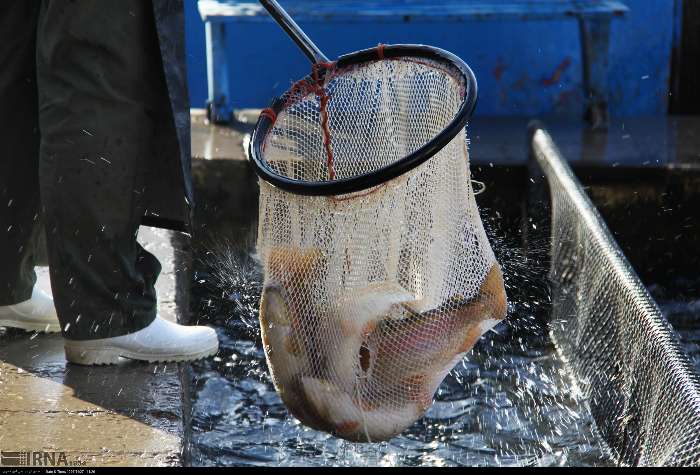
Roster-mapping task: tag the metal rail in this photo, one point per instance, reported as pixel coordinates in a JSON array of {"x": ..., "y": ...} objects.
[{"x": 643, "y": 392}]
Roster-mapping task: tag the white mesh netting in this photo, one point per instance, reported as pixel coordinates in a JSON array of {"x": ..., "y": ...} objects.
[
  {"x": 642, "y": 390},
  {"x": 371, "y": 298}
]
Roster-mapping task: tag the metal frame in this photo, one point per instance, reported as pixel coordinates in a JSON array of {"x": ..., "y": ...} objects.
[
  {"x": 219, "y": 106},
  {"x": 623, "y": 393},
  {"x": 594, "y": 20}
]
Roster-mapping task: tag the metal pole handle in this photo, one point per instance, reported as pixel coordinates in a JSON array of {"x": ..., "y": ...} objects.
[{"x": 294, "y": 32}]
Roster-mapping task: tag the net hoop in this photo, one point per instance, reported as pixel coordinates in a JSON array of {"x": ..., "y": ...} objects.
[{"x": 368, "y": 180}]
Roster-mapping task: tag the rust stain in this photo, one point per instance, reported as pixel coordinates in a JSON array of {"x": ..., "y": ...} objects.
[
  {"x": 499, "y": 70},
  {"x": 556, "y": 75},
  {"x": 521, "y": 84},
  {"x": 566, "y": 98},
  {"x": 503, "y": 96}
]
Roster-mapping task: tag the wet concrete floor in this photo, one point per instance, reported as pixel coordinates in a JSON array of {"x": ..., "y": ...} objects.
[{"x": 123, "y": 415}]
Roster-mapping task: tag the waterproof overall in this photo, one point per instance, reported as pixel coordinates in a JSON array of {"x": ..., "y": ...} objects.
[{"x": 94, "y": 141}]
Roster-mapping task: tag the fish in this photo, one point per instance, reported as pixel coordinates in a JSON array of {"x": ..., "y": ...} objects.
[
  {"x": 290, "y": 325},
  {"x": 364, "y": 365},
  {"x": 401, "y": 358}
]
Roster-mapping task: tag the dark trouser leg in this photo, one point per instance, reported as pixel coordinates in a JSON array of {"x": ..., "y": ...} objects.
[
  {"x": 99, "y": 76},
  {"x": 19, "y": 150}
]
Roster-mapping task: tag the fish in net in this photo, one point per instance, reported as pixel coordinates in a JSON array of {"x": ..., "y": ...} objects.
[{"x": 379, "y": 276}]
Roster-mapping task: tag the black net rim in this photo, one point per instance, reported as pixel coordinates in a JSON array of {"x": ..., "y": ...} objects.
[{"x": 386, "y": 173}]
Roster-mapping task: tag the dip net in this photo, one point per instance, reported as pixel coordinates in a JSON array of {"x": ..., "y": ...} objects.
[{"x": 378, "y": 273}]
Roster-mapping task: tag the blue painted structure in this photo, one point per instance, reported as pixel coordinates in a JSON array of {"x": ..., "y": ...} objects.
[
  {"x": 593, "y": 18},
  {"x": 524, "y": 68}
]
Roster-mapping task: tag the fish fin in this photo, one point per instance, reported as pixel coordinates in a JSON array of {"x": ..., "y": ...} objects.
[
  {"x": 365, "y": 308},
  {"x": 388, "y": 421},
  {"x": 353, "y": 422},
  {"x": 493, "y": 293},
  {"x": 472, "y": 336},
  {"x": 384, "y": 293},
  {"x": 490, "y": 304},
  {"x": 273, "y": 307},
  {"x": 331, "y": 404},
  {"x": 416, "y": 307},
  {"x": 294, "y": 267}
]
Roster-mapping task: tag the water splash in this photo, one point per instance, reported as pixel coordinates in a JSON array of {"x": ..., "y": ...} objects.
[{"x": 509, "y": 402}]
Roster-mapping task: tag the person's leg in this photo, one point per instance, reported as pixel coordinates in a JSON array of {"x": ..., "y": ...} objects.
[
  {"x": 19, "y": 150},
  {"x": 101, "y": 95},
  {"x": 99, "y": 78}
]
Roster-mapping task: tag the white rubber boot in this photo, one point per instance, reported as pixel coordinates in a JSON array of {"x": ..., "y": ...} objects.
[
  {"x": 161, "y": 341},
  {"x": 36, "y": 314}
]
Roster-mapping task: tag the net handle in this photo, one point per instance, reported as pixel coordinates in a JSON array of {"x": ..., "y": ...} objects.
[
  {"x": 368, "y": 180},
  {"x": 294, "y": 31}
]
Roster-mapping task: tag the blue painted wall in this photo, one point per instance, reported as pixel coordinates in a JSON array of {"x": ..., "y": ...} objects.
[{"x": 523, "y": 68}]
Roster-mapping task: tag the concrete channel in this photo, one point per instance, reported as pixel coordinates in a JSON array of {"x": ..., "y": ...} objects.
[{"x": 137, "y": 414}]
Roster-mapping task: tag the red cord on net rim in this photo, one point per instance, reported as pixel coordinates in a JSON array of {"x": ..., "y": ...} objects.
[{"x": 386, "y": 173}]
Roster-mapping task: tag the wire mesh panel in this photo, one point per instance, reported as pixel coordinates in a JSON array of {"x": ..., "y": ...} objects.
[
  {"x": 643, "y": 392},
  {"x": 371, "y": 297}
]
